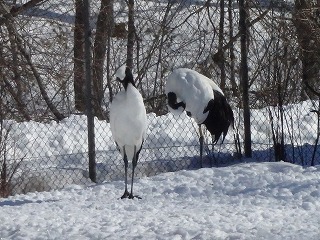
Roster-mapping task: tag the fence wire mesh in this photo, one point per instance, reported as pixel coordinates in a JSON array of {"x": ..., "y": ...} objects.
[{"x": 38, "y": 85}]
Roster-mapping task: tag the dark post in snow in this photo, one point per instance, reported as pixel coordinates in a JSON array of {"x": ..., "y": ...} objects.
[
  {"x": 244, "y": 77},
  {"x": 90, "y": 117}
]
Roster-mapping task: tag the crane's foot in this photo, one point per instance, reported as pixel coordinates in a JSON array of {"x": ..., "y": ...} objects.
[
  {"x": 132, "y": 197},
  {"x": 126, "y": 194}
]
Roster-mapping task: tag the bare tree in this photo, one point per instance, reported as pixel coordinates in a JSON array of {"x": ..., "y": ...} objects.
[
  {"x": 131, "y": 34},
  {"x": 18, "y": 46},
  {"x": 243, "y": 25},
  {"x": 219, "y": 58},
  {"x": 231, "y": 51},
  {"x": 16, "y": 10},
  {"x": 307, "y": 23},
  {"x": 104, "y": 30},
  {"x": 101, "y": 51},
  {"x": 79, "y": 74}
]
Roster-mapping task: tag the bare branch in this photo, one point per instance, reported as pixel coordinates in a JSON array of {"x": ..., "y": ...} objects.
[{"x": 16, "y": 10}]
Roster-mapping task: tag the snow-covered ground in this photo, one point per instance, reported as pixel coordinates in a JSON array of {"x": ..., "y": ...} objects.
[
  {"x": 248, "y": 200},
  {"x": 245, "y": 201}
]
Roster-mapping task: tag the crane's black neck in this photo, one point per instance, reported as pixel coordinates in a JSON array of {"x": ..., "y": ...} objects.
[
  {"x": 172, "y": 101},
  {"x": 127, "y": 79}
]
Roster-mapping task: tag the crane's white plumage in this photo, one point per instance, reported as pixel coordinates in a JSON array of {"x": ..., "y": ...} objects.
[
  {"x": 194, "y": 89},
  {"x": 203, "y": 100},
  {"x": 128, "y": 121}
]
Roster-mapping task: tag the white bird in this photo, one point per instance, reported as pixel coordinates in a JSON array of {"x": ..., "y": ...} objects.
[
  {"x": 128, "y": 121},
  {"x": 202, "y": 99}
]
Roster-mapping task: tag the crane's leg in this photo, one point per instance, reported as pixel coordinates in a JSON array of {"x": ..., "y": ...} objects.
[
  {"x": 125, "y": 159},
  {"x": 134, "y": 164},
  {"x": 201, "y": 144}
]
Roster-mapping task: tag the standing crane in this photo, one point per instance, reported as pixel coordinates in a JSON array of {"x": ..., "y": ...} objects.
[
  {"x": 202, "y": 99},
  {"x": 128, "y": 121}
]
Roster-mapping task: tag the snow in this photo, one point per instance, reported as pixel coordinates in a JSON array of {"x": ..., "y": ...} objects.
[{"x": 243, "y": 201}]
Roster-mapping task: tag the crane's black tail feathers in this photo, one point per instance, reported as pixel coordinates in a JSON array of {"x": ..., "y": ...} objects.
[{"x": 220, "y": 116}]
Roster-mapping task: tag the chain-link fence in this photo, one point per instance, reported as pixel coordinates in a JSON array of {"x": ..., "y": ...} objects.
[{"x": 38, "y": 86}]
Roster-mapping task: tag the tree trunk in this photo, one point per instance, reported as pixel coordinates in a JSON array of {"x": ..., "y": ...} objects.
[
  {"x": 231, "y": 52},
  {"x": 78, "y": 69},
  {"x": 244, "y": 76},
  {"x": 221, "y": 62},
  {"x": 307, "y": 23},
  {"x": 105, "y": 24},
  {"x": 89, "y": 102},
  {"x": 131, "y": 34}
]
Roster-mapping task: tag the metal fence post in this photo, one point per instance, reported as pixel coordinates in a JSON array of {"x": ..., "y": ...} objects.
[{"x": 90, "y": 116}]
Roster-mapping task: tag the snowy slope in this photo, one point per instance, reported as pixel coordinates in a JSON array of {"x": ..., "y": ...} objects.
[{"x": 245, "y": 201}]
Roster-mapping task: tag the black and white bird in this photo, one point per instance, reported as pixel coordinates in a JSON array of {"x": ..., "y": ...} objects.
[
  {"x": 202, "y": 99},
  {"x": 128, "y": 121}
]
